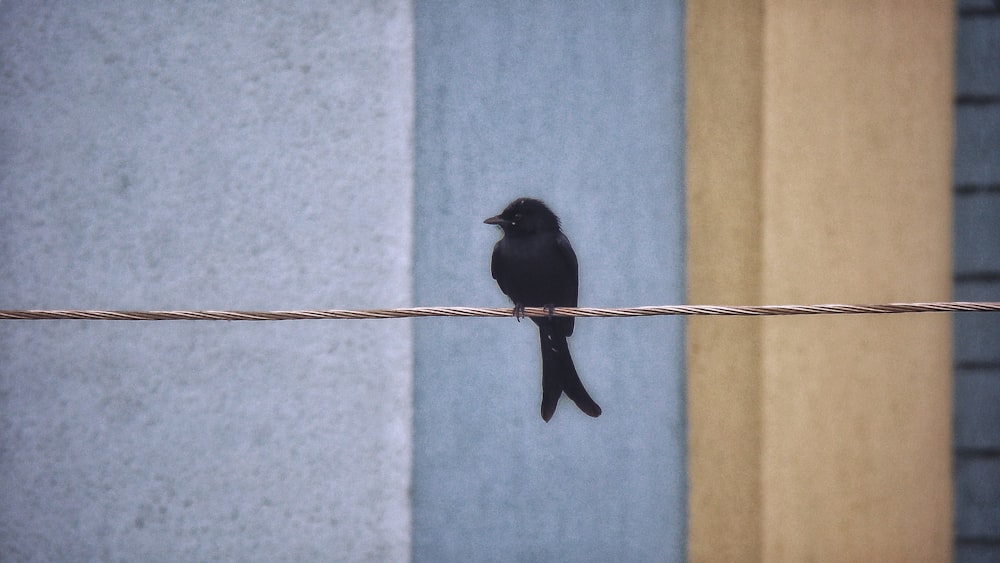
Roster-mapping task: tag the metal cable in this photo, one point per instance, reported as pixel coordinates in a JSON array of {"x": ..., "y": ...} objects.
[{"x": 684, "y": 310}]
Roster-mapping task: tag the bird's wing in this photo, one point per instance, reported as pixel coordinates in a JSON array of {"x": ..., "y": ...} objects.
[{"x": 566, "y": 254}]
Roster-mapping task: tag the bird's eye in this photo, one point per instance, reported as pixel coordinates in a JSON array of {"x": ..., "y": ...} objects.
[{"x": 518, "y": 216}]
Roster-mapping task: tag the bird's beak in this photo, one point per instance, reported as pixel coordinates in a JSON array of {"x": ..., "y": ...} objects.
[{"x": 498, "y": 220}]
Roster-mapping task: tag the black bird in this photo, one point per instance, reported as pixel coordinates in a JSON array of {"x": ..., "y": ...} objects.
[{"x": 535, "y": 265}]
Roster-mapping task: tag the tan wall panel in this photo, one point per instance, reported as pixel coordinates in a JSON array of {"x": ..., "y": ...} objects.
[
  {"x": 857, "y": 143},
  {"x": 724, "y": 43},
  {"x": 819, "y": 138}
]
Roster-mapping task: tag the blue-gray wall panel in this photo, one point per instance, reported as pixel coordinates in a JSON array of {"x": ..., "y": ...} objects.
[
  {"x": 977, "y": 5},
  {"x": 977, "y": 335},
  {"x": 977, "y": 55},
  {"x": 579, "y": 104},
  {"x": 977, "y": 136},
  {"x": 977, "y": 266},
  {"x": 975, "y": 552},
  {"x": 977, "y": 497},
  {"x": 977, "y": 232},
  {"x": 977, "y": 423}
]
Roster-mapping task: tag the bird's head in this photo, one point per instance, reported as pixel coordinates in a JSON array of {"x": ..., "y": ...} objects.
[{"x": 525, "y": 216}]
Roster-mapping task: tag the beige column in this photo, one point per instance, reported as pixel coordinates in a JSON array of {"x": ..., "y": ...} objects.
[{"x": 818, "y": 171}]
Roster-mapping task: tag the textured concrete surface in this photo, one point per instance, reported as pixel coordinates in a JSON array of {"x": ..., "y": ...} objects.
[
  {"x": 579, "y": 104},
  {"x": 205, "y": 155}
]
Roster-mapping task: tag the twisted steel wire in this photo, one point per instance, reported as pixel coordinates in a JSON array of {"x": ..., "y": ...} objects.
[{"x": 405, "y": 312}]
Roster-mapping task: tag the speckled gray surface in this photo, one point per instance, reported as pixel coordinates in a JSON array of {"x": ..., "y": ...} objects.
[{"x": 205, "y": 155}]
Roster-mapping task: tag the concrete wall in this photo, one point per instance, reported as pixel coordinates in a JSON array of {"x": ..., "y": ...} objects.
[
  {"x": 271, "y": 156},
  {"x": 579, "y": 104},
  {"x": 205, "y": 155}
]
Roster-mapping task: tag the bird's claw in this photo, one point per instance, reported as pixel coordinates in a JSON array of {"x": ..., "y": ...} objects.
[{"x": 519, "y": 311}]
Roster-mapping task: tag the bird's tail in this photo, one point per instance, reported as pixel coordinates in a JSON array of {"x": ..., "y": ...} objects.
[{"x": 559, "y": 376}]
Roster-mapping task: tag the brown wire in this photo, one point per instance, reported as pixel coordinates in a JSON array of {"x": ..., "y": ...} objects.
[{"x": 648, "y": 311}]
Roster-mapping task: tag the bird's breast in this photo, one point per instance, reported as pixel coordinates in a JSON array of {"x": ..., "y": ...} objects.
[{"x": 536, "y": 274}]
